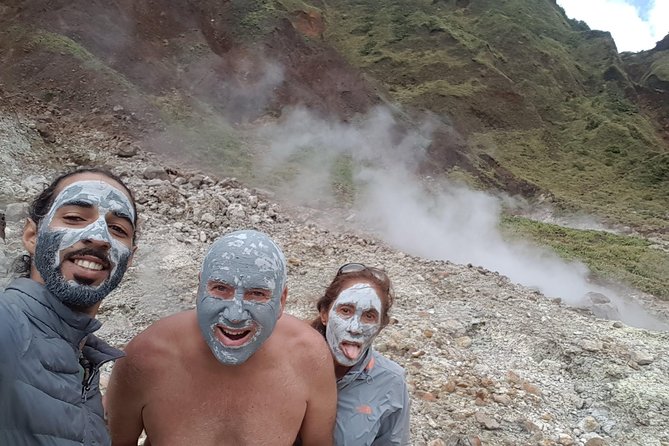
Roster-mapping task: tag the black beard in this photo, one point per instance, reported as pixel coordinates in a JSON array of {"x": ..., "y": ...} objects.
[{"x": 78, "y": 297}]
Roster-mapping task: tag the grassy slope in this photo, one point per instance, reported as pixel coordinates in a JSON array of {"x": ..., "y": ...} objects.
[
  {"x": 527, "y": 86},
  {"x": 629, "y": 259},
  {"x": 563, "y": 128}
]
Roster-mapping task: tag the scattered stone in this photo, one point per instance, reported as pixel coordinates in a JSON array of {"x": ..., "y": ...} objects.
[
  {"x": 45, "y": 132},
  {"x": 501, "y": 399},
  {"x": 236, "y": 210},
  {"x": 531, "y": 388},
  {"x": 461, "y": 440},
  {"x": 4, "y": 265},
  {"x": 565, "y": 440},
  {"x": 463, "y": 341},
  {"x": 155, "y": 172},
  {"x": 127, "y": 151},
  {"x": 196, "y": 180},
  {"x": 588, "y": 424},
  {"x": 208, "y": 218},
  {"x": 16, "y": 213},
  {"x": 425, "y": 396},
  {"x": 590, "y": 346},
  {"x": 486, "y": 421},
  {"x": 641, "y": 357},
  {"x": 597, "y": 441}
]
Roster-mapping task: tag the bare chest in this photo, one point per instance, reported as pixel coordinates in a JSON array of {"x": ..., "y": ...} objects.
[{"x": 261, "y": 408}]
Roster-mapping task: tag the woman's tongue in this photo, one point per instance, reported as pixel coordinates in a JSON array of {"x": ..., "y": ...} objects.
[{"x": 352, "y": 351}]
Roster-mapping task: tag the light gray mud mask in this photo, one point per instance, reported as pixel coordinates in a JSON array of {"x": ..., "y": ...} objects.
[
  {"x": 52, "y": 241},
  {"x": 245, "y": 260},
  {"x": 356, "y": 334}
]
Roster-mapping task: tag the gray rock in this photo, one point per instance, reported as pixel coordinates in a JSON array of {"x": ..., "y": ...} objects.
[
  {"x": 34, "y": 183},
  {"x": 4, "y": 264},
  {"x": 236, "y": 210},
  {"x": 16, "y": 213},
  {"x": 127, "y": 151},
  {"x": 641, "y": 357},
  {"x": 208, "y": 218},
  {"x": 155, "y": 172}
]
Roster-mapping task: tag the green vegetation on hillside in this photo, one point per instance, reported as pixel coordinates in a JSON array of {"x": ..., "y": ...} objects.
[
  {"x": 627, "y": 259},
  {"x": 35, "y": 39},
  {"x": 544, "y": 95}
]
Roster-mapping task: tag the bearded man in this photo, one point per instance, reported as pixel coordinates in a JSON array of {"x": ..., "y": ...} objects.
[
  {"x": 235, "y": 371},
  {"x": 80, "y": 236}
]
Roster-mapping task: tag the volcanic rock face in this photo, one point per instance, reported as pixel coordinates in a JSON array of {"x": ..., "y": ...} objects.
[{"x": 487, "y": 361}]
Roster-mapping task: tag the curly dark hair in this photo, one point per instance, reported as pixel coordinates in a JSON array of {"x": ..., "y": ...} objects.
[
  {"x": 41, "y": 206},
  {"x": 374, "y": 276}
]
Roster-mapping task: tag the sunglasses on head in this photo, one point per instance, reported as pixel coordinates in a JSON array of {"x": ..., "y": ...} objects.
[{"x": 357, "y": 267}]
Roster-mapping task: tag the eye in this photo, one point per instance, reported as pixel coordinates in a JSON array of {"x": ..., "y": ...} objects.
[
  {"x": 370, "y": 316},
  {"x": 220, "y": 290},
  {"x": 345, "y": 310},
  {"x": 72, "y": 218},
  {"x": 119, "y": 230},
  {"x": 258, "y": 295}
]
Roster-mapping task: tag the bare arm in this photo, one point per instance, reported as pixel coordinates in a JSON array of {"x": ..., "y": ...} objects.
[
  {"x": 321, "y": 411},
  {"x": 125, "y": 397}
]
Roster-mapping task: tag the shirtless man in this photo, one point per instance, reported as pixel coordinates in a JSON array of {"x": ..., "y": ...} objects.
[{"x": 235, "y": 371}]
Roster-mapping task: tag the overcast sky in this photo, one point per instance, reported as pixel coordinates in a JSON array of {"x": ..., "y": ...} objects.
[{"x": 635, "y": 25}]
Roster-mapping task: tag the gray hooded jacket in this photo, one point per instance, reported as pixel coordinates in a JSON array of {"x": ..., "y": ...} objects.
[{"x": 49, "y": 387}]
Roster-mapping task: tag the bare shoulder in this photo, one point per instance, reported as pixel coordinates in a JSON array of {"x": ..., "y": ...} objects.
[
  {"x": 305, "y": 343},
  {"x": 163, "y": 339}
]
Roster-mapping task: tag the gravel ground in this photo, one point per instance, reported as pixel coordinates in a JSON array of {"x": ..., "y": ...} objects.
[{"x": 488, "y": 362}]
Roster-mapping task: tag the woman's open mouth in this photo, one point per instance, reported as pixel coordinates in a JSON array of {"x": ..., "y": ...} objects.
[{"x": 351, "y": 350}]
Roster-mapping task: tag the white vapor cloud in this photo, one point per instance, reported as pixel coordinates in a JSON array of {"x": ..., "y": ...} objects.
[
  {"x": 622, "y": 20},
  {"x": 428, "y": 219}
]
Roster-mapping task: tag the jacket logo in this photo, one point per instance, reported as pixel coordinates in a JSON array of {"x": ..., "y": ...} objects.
[{"x": 364, "y": 409}]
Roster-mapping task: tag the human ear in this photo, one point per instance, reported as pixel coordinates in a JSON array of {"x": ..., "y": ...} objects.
[
  {"x": 132, "y": 255},
  {"x": 29, "y": 237},
  {"x": 324, "y": 317},
  {"x": 284, "y": 296}
]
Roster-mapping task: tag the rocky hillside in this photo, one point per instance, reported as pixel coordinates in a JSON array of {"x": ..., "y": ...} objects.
[
  {"x": 488, "y": 362},
  {"x": 381, "y": 106},
  {"x": 518, "y": 97}
]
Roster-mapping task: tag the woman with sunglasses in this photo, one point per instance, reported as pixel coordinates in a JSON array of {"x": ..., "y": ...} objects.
[{"x": 373, "y": 401}]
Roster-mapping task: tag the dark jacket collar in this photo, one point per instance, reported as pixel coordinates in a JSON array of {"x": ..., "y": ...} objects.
[{"x": 71, "y": 325}]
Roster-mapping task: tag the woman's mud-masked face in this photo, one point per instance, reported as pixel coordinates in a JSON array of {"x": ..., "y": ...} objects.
[
  {"x": 240, "y": 294},
  {"x": 353, "y": 322},
  {"x": 85, "y": 240}
]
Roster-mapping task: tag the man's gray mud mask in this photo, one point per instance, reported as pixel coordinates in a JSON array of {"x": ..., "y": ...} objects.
[
  {"x": 350, "y": 337},
  {"x": 236, "y": 326},
  {"x": 53, "y": 241}
]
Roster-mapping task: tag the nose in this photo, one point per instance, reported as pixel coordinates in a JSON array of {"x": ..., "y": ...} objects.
[
  {"x": 98, "y": 235},
  {"x": 235, "y": 312},
  {"x": 354, "y": 326},
  {"x": 97, "y": 243}
]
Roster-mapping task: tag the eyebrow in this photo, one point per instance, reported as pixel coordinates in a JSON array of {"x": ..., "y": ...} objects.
[
  {"x": 79, "y": 203},
  {"x": 88, "y": 205},
  {"x": 124, "y": 216}
]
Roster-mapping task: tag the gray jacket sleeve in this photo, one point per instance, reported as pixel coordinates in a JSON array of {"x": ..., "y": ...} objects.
[
  {"x": 8, "y": 360},
  {"x": 395, "y": 427}
]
